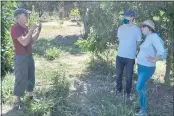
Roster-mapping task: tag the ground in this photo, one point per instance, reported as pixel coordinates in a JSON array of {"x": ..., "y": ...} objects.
[{"x": 75, "y": 85}]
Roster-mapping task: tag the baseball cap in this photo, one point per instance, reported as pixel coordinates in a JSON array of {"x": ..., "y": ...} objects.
[
  {"x": 19, "y": 11},
  {"x": 129, "y": 13}
]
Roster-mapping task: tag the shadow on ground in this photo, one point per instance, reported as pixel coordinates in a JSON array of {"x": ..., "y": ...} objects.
[
  {"x": 65, "y": 43},
  {"x": 95, "y": 95},
  {"x": 95, "y": 92}
]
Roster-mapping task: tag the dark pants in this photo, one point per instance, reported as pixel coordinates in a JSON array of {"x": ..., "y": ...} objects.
[
  {"x": 120, "y": 64},
  {"x": 24, "y": 74}
]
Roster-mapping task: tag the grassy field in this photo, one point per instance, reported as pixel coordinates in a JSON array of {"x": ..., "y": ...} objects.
[{"x": 73, "y": 84}]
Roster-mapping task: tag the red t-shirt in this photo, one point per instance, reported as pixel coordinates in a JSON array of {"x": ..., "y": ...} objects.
[{"x": 16, "y": 32}]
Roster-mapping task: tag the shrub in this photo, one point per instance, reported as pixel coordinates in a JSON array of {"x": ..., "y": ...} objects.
[
  {"x": 52, "y": 53},
  {"x": 6, "y": 41}
]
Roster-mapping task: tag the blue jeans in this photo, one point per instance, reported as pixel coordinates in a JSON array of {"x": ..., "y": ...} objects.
[
  {"x": 144, "y": 74},
  {"x": 120, "y": 64}
]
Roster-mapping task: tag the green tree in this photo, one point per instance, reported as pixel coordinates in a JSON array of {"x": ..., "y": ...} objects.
[
  {"x": 75, "y": 13},
  {"x": 6, "y": 43},
  {"x": 34, "y": 17},
  {"x": 103, "y": 20},
  {"x": 40, "y": 6}
]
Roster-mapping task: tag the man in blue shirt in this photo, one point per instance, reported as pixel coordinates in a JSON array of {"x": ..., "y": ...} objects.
[{"x": 129, "y": 36}]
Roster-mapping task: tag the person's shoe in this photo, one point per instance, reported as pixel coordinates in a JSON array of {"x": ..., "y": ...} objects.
[
  {"x": 137, "y": 109},
  {"x": 142, "y": 113},
  {"x": 118, "y": 94},
  {"x": 17, "y": 106},
  {"x": 129, "y": 97},
  {"x": 31, "y": 98}
]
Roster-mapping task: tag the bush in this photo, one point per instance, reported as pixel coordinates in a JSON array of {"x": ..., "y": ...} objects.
[
  {"x": 6, "y": 41},
  {"x": 7, "y": 89},
  {"x": 75, "y": 14},
  {"x": 34, "y": 17},
  {"x": 52, "y": 53},
  {"x": 59, "y": 21},
  {"x": 92, "y": 44}
]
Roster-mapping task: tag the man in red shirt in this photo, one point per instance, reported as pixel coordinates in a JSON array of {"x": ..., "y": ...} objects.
[{"x": 24, "y": 62}]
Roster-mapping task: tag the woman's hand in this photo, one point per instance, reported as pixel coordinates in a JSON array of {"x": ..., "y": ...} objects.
[{"x": 151, "y": 59}]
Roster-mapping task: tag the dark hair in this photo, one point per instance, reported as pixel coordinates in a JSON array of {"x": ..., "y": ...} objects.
[{"x": 150, "y": 28}]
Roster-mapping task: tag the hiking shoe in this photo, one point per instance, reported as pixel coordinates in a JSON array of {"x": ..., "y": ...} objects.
[
  {"x": 129, "y": 97},
  {"x": 31, "y": 98},
  {"x": 137, "y": 109},
  {"x": 119, "y": 94},
  {"x": 17, "y": 106},
  {"x": 142, "y": 113}
]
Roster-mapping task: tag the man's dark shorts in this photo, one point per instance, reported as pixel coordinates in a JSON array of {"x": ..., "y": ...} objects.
[{"x": 24, "y": 74}]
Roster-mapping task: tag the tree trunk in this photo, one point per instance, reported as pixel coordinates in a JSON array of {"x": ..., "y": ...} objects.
[
  {"x": 83, "y": 8},
  {"x": 40, "y": 13},
  {"x": 170, "y": 56},
  {"x": 84, "y": 18},
  {"x": 172, "y": 50},
  {"x": 167, "y": 74}
]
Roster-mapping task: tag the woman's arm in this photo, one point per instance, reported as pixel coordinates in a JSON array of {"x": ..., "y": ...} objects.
[{"x": 156, "y": 42}]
